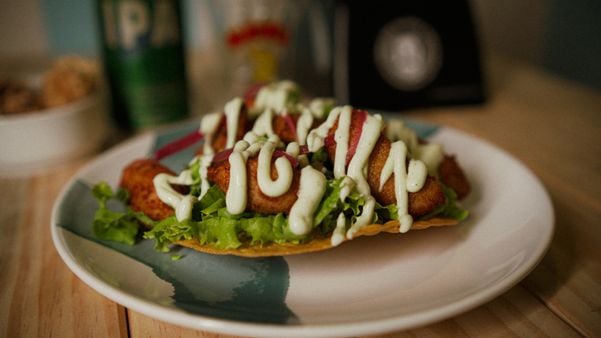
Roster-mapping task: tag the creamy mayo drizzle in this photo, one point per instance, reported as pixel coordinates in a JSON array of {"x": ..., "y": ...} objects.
[
  {"x": 431, "y": 153},
  {"x": 208, "y": 127},
  {"x": 319, "y": 106},
  {"x": 398, "y": 153},
  {"x": 404, "y": 181},
  {"x": 311, "y": 190},
  {"x": 317, "y": 135},
  {"x": 347, "y": 186},
  {"x": 232, "y": 116},
  {"x": 358, "y": 167},
  {"x": 338, "y": 234},
  {"x": 341, "y": 136},
  {"x": 303, "y": 126},
  {"x": 293, "y": 149},
  {"x": 279, "y": 186},
  {"x": 205, "y": 163},
  {"x": 275, "y": 96},
  {"x": 235, "y": 197},
  {"x": 263, "y": 124},
  {"x": 367, "y": 141},
  {"x": 180, "y": 203},
  {"x": 416, "y": 176}
]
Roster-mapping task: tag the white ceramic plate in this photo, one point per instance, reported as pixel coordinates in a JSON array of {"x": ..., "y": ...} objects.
[{"x": 367, "y": 286}]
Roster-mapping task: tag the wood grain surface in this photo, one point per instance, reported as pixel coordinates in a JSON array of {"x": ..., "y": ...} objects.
[{"x": 550, "y": 124}]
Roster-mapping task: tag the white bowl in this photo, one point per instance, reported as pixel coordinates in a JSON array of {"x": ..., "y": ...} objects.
[{"x": 45, "y": 138}]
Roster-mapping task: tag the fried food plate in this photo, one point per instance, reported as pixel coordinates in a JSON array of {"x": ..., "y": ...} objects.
[{"x": 421, "y": 276}]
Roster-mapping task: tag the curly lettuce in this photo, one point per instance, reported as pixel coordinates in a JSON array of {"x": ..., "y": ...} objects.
[{"x": 118, "y": 226}]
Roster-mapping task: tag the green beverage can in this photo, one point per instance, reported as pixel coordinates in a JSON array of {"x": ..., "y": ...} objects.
[{"x": 144, "y": 61}]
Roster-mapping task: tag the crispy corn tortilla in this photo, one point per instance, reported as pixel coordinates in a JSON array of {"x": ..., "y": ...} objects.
[{"x": 316, "y": 244}]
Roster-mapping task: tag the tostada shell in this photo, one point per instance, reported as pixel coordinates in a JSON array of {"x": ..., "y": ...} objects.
[{"x": 317, "y": 244}]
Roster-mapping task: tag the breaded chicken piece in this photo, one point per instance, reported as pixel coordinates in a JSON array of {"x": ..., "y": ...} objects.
[
  {"x": 452, "y": 176},
  {"x": 137, "y": 180},
  {"x": 420, "y": 203},
  {"x": 282, "y": 128},
  {"x": 219, "y": 174}
]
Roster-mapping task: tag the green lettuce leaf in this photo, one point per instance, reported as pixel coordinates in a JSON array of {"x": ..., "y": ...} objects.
[
  {"x": 118, "y": 226},
  {"x": 331, "y": 206},
  {"x": 170, "y": 230}
]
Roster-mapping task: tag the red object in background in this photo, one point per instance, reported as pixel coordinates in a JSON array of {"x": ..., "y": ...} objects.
[{"x": 253, "y": 30}]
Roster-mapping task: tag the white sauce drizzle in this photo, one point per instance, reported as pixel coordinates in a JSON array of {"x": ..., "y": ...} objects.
[
  {"x": 293, "y": 149},
  {"x": 279, "y": 186},
  {"x": 205, "y": 163},
  {"x": 341, "y": 136},
  {"x": 347, "y": 185},
  {"x": 208, "y": 127},
  {"x": 416, "y": 175},
  {"x": 232, "y": 115},
  {"x": 303, "y": 126},
  {"x": 338, "y": 234},
  {"x": 180, "y": 203},
  {"x": 235, "y": 197},
  {"x": 430, "y": 153},
  {"x": 398, "y": 152},
  {"x": 275, "y": 96},
  {"x": 405, "y": 181},
  {"x": 319, "y": 106},
  {"x": 263, "y": 124},
  {"x": 311, "y": 190},
  {"x": 357, "y": 167},
  {"x": 317, "y": 135}
]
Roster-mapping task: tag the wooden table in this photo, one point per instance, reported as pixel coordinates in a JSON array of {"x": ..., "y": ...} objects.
[{"x": 552, "y": 125}]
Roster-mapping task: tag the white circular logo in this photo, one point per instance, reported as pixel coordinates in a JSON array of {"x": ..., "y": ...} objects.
[{"x": 408, "y": 53}]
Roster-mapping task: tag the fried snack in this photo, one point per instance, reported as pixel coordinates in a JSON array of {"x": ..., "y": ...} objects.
[
  {"x": 283, "y": 129},
  {"x": 257, "y": 201},
  {"x": 321, "y": 200},
  {"x": 16, "y": 98},
  {"x": 137, "y": 180},
  {"x": 421, "y": 203},
  {"x": 70, "y": 79},
  {"x": 452, "y": 176}
]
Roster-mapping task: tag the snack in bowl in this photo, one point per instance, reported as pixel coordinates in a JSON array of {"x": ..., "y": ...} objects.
[
  {"x": 278, "y": 176},
  {"x": 50, "y": 117},
  {"x": 70, "y": 78}
]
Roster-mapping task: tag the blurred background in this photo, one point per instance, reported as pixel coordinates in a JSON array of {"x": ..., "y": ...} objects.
[{"x": 319, "y": 44}]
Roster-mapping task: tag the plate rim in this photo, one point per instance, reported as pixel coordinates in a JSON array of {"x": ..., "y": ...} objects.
[{"x": 227, "y": 326}]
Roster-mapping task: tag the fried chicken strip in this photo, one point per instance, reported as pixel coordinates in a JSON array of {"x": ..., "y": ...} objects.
[
  {"x": 219, "y": 174},
  {"x": 451, "y": 174},
  {"x": 137, "y": 180},
  {"x": 420, "y": 203},
  {"x": 283, "y": 128}
]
